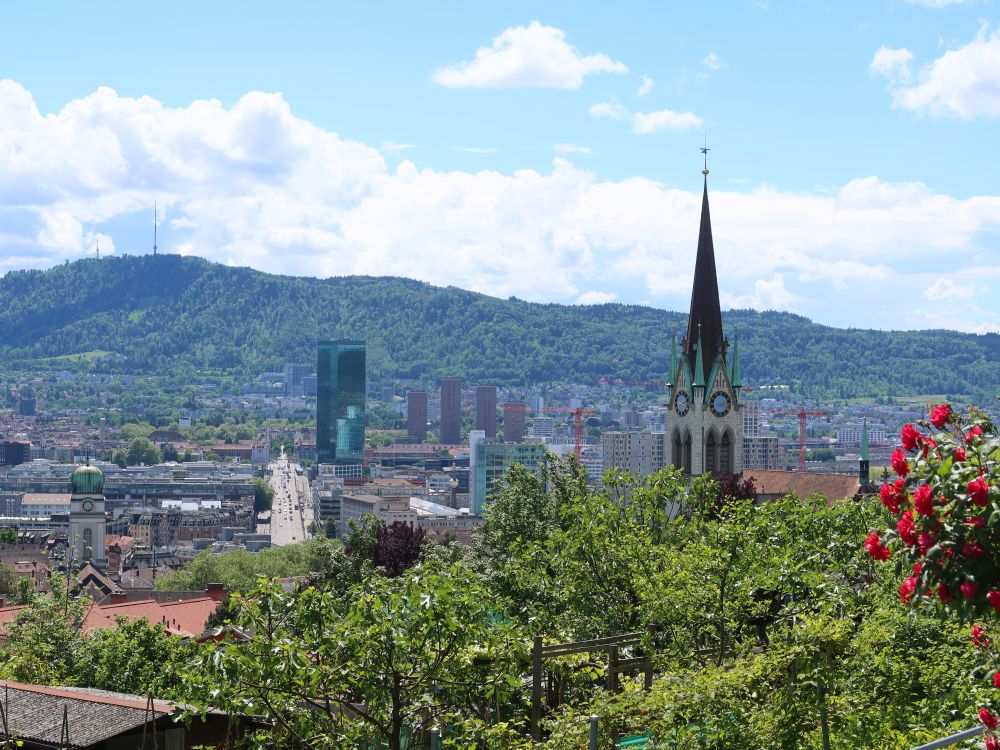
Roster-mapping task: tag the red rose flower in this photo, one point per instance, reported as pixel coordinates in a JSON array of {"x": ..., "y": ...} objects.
[
  {"x": 972, "y": 549},
  {"x": 907, "y": 589},
  {"x": 910, "y": 437},
  {"x": 917, "y": 567},
  {"x": 994, "y": 599},
  {"x": 968, "y": 589},
  {"x": 976, "y": 521},
  {"x": 923, "y": 501},
  {"x": 925, "y": 541},
  {"x": 940, "y": 414},
  {"x": 927, "y": 444},
  {"x": 978, "y": 491},
  {"x": 973, "y": 433},
  {"x": 905, "y": 528},
  {"x": 960, "y": 454},
  {"x": 978, "y": 639},
  {"x": 992, "y": 743},
  {"x": 875, "y": 548},
  {"x": 988, "y": 719},
  {"x": 996, "y": 679},
  {"x": 889, "y": 498},
  {"x": 899, "y": 464},
  {"x": 944, "y": 594}
]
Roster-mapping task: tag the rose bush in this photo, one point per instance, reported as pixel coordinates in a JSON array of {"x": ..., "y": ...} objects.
[{"x": 946, "y": 535}]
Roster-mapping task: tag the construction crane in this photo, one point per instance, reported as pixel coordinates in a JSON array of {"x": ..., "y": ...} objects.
[
  {"x": 577, "y": 413},
  {"x": 803, "y": 416}
]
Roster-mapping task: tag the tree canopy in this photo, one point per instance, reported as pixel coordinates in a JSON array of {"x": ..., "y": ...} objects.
[{"x": 168, "y": 314}]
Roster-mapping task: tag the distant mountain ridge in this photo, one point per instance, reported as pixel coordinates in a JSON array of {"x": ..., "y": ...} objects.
[{"x": 168, "y": 313}]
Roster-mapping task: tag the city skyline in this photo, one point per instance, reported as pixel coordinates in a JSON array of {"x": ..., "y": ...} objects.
[{"x": 850, "y": 149}]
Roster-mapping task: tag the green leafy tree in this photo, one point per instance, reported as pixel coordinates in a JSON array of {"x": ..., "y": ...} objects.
[
  {"x": 169, "y": 453},
  {"x": 239, "y": 571},
  {"x": 132, "y": 657},
  {"x": 263, "y": 495},
  {"x": 394, "y": 658},
  {"x": 142, "y": 452},
  {"x": 44, "y": 641}
]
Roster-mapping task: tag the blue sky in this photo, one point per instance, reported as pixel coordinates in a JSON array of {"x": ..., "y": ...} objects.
[{"x": 543, "y": 150}]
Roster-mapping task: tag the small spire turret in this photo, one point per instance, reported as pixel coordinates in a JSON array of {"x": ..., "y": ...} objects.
[
  {"x": 734, "y": 376},
  {"x": 864, "y": 463},
  {"x": 673, "y": 360},
  {"x": 699, "y": 363}
]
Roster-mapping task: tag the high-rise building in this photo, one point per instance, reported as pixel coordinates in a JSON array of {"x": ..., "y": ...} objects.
[
  {"x": 543, "y": 427},
  {"x": 451, "y": 411},
  {"x": 513, "y": 421},
  {"x": 491, "y": 461},
  {"x": 293, "y": 374},
  {"x": 486, "y": 410},
  {"x": 416, "y": 415},
  {"x": 639, "y": 453},
  {"x": 706, "y": 432},
  {"x": 13, "y": 452},
  {"x": 761, "y": 452},
  {"x": 340, "y": 402}
]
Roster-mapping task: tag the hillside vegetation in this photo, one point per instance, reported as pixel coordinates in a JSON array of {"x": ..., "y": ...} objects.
[{"x": 168, "y": 313}]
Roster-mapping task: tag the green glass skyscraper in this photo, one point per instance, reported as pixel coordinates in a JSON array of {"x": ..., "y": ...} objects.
[{"x": 340, "y": 402}]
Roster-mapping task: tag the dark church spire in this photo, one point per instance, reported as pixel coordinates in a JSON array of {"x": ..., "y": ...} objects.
[{"x": 706, "y": 313}]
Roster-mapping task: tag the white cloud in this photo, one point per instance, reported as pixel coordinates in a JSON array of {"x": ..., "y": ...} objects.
[
  {"x": 712, "y": 62},
  {"x": 944, "y": 288},
  {"x": 572, "y": 148},
  {"x": 595, "y": 298},
  {"x": 527, "y": 56},
  {"x": 252, "y": 184},
  {"x": 392, "y": 148},
  {"x": 613, "y": 110},
  {"x": 664, "y": 121},
  {"x": 893, "y": 64},
  {"x": 768, "y": 294},
  {"x": 963, "y": 82},
  {"x": 645, "y": 87},
  {"x": 647, "y": 123},
  {"x": 936, "y": 3}
]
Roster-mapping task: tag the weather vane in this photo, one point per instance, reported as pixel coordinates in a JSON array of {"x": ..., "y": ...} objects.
[{"x": 704, "y": 150}]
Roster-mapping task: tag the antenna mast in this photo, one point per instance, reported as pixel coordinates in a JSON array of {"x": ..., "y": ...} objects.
[
  {"x": 154, "y": 227},
  {"x": 98, "y": 248}
]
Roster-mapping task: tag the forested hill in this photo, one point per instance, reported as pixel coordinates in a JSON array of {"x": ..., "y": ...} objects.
[{"x": 169, "y": 313}]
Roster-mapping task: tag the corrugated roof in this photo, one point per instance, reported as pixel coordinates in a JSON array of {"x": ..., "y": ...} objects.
[{"x": 35, "y": 712}]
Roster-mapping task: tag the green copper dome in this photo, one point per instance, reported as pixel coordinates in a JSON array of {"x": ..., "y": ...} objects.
[{"x": 87, "y": 480}]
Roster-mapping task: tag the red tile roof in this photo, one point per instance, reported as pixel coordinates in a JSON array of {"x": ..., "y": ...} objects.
[{"x": 187, "y": 618}]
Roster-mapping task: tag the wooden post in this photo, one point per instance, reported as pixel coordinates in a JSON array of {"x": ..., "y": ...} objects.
[
  {"x": 612, "y": 669},
  {"x": 536, "y": 689},
  {"x": 824, "y": 718}
]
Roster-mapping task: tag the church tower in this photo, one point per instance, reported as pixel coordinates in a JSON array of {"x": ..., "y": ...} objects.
[
  {"x": 86, "y": 516},
  {"x": 706, "y": 420}
]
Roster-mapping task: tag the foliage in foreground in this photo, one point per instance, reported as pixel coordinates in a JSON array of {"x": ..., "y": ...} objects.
[{"x": 769, "y": 626}]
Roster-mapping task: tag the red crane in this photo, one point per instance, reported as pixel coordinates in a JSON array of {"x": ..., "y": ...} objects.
[
  {"x": 577, "y": 413},
  {"x": 803, "y": 415}
]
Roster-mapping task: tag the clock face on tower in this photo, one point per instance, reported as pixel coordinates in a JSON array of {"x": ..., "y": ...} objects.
[
  {"x": 88, "y": 505},
  {"x": 720, "y": 404},
  {"x": 681, "y": 404}
]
